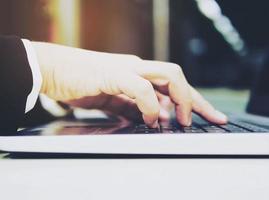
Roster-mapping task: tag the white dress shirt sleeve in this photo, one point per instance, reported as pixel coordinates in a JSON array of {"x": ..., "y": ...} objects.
[{"x": 37, "y": 78}]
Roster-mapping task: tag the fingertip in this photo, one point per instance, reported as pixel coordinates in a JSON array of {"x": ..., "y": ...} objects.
[
  {"x": 151, "y": 121},
  {"x": 221, "y": 117},
  {"x": 206, "y": 110},
  {"x": 184, "y": 117},
  {"x": 184, "y": 121},
  {"x": 216, "y": 117}
]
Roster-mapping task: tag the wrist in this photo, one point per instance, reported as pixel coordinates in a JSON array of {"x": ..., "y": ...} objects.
[{"x": 43, "y": 56}]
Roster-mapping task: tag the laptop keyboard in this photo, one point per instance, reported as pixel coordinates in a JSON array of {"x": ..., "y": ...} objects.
[
  {"x": 231, "y": 127},
  {"x": 199, "y": 125}
]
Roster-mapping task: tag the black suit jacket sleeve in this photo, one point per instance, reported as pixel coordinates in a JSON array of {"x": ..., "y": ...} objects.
[{"x": 15, "y": 83}]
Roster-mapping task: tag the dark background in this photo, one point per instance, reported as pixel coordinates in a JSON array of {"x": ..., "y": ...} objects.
[
  {"x": 127, "y": 27},
  {"x": 216, "y": 64}
]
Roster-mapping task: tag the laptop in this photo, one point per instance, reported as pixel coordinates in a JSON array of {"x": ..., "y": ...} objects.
[{"x": 245, "y": 136}]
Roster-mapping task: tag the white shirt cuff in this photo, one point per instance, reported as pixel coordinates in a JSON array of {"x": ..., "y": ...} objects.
[
  {"x": 52, "y": 106},
  {"x": 37, "y": 78}
]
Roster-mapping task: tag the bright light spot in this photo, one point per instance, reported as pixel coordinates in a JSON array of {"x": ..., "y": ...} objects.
[
  {"x": 212, "y": 11},
  {"x": 197, "y": 46},
  {"x": 209, "y": 8}
]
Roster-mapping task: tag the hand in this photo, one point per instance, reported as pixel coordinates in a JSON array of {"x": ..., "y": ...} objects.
[
  {"x": 121, "y": 105},
  {"x": 71, "y": 74}
]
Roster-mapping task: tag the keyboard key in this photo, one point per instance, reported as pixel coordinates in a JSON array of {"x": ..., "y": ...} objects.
[
  {"x": 201, "y": 127},
  {"x": 250, "y": 127},
  {"x": 192, "y": 129},
  {"x": 232, "y": 128},
  {"x": 214, "y": 129}
]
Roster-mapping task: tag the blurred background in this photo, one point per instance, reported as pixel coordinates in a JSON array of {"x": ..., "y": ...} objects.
[{"x": 217, "y": 43}]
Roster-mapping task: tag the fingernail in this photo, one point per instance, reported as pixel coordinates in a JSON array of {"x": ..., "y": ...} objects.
[{"x": 221, "y": 116}]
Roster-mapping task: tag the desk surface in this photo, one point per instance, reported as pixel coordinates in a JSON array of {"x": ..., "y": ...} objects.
[
  {"x": 138, "y": 178},
  {"x": 135, "y": 179}
]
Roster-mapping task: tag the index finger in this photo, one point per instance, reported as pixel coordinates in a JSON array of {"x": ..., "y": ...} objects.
[
  {"x": 178, "y": 86},
  {"x": 206, "y": 110}
]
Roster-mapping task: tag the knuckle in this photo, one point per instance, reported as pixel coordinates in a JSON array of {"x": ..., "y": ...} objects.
[
  {"x": 206, "y": 104},
  {"x": 175, "y": 72},
  {"x": 186, "y": 101},
  {"x": 145, "y": 88},
  {"x": 198, "y": 108},
  {"x": 176, "y": 69},
  {"x": 189, "y": 99},
  {"x": 133, "y": 61},
  {"x": 189, "y": 102}
]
